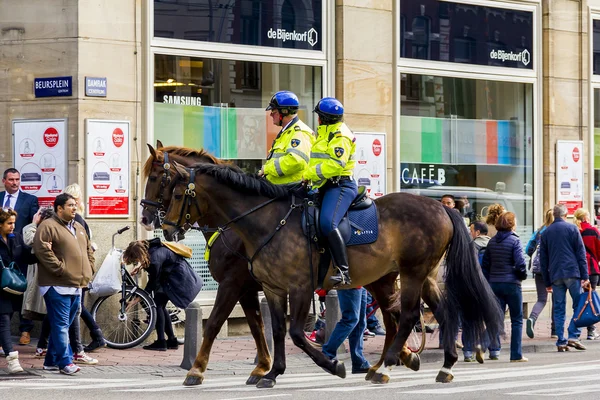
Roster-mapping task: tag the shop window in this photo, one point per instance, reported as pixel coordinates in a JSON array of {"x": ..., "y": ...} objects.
[
  {"x": 420, "y": 42},
  {"x": 597, "y": 152},
  {"x": 470, "y": 138}
]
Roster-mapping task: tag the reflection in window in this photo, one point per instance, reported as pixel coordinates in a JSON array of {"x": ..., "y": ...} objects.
[
  {"x": 470, "y": 138},
  {"x": 420, "y": 42}
]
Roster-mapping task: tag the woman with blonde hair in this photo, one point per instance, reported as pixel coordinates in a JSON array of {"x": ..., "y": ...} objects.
[
  {"x": 540, "y": 286},
  {"x": 494, "y": 212},
  {"x": 591, "y": 240}
]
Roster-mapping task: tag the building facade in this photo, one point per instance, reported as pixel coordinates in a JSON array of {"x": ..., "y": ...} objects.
[{"x": 491, "y": 101}]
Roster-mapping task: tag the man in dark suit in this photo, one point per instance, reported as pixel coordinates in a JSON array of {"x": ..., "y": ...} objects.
[{"x": 26, "y": 206}]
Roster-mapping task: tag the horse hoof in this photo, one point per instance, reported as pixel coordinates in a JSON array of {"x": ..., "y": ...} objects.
[
  {"x": 253, "y": 380},
  {"x": 380, "y": 379},
  {"x": 339, "y": 369},
  {"x": 444, "y": 377},
  {"x": 370, "y": 374},
  {"x": 265, "y": 383},
  {"x": 414, "y": 362},
  {"x": 191, "y": 380}
]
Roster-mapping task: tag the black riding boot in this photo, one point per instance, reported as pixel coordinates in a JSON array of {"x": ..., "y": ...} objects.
[{"x": 337, "y": 246}]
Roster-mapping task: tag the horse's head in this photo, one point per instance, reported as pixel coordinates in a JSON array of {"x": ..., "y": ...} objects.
[
  {"x": 184, "y": 207},
  {"x": 160, "y": 172}
]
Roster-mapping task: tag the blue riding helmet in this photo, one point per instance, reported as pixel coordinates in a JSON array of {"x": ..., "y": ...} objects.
[
  {"x": 284, "y": 101},
  {"x": 329, "y": 108}
]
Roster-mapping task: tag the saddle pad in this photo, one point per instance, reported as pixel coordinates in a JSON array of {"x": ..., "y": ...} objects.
[{"x": 364, "y": 226}]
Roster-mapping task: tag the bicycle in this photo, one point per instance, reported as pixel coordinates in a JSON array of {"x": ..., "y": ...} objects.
[{"x": 136, "y": 313}]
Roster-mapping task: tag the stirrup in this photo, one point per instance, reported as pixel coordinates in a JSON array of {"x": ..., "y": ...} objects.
[{"x": 340, "y": 279}]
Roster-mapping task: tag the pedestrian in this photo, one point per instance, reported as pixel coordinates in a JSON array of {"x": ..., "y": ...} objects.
[
  {"x": 155, "y": 258},
  {"x": 494, "y": 211},
  {"x": 540, "y": 287},
  {"x": 373, "y": 324},
  {"x": 66, "y": 262},
  {"x": 353, "y": 303},
  {"x": 12, "y": 249},
  {"x": 564, "y": 268},
  {"x": 503, "y": 261},
  {"x": 290, "y": 151},
  {"x": 591, "y": 242},
  {"x": 26, "y": 205},
  {"x": 330, "y": 171}
]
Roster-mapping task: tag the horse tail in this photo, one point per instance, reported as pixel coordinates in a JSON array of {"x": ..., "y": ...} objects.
[{"x": 467, "y": 294}]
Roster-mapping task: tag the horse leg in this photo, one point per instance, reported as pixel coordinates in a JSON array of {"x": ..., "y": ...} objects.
[
  {"x": 431, "y": 295},
  {"x": 299, "y": 308},
  {"x": 227, "y": 295},
  {"x": 382, "y": 290},
  {"x": 277, "y": 307},
  {"x": 251, "y": 307}
]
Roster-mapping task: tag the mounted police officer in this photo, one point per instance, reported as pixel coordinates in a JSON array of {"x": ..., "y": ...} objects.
[
  {"x": 330, "y": 170},
  {"x": 290, "y": 151}
]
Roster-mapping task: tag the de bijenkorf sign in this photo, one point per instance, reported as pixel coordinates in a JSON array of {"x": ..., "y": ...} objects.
[
  {"x": 51, "y": 87},
  {"x": 95, "y": 87}
]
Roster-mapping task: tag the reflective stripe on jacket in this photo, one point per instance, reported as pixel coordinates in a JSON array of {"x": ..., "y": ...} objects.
[
  {"x": 290, "y": 154},
  {"x": 332, "y": 155}
]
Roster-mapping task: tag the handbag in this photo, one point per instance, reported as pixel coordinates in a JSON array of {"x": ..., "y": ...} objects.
[
  {"x": 587, "y": 312},
  {"x": 12, "y": 280}
]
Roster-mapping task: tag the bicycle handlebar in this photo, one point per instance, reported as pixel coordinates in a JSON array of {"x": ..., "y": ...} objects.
[{"x": 123, "y": 229}]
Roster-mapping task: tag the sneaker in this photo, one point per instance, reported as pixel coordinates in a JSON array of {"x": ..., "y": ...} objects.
[
  {"x": 379, "y": 331},
  {"x": 494, "y": 357},
  {"x": 50, "y": 368},
  {"x": 13, "y": 363},
  {"x": 39, "y": 352},
  {"x": 368, "y": 333},
  {"x": 172, "y": 344},
  {"x": 470, "y": 359},
  {"x": 522, "y": 359},
  {"x": 593, "y": 335},
  {"x": 159, "y": 345},
  {"x": 312, "y": 337},
  {"x": 25, "y": 338},
  {"x": 562, "y": 348},
  {"x": 82, "y": 358},
  {"x": 70, "y": 369},
  {"x": 530, "y": 325},
  {"x": 576, "y": 344}
]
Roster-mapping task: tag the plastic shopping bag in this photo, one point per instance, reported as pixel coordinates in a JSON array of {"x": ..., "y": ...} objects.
[{"x": 108, "y": 278}]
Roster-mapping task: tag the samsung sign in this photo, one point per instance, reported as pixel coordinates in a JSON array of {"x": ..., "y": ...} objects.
[{"x": 52, "y": 87}]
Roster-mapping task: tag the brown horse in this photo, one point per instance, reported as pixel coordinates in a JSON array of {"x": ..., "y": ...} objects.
[
  {"x": 415, "y": 232},
  {"x": 227, "y": 268}
]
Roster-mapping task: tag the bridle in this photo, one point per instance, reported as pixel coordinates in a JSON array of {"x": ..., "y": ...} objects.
[
  {"x": 164, "y": 182},
  {"x": 190, "y": 200}
]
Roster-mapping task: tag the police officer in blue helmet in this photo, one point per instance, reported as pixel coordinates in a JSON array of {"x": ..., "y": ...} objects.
[
  {"x": 330, "y": 170},
  {"x": 290, "y": 152}
]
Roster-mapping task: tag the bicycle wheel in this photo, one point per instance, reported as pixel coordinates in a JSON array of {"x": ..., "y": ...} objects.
[
  {"x": 417, "y": 338},
  {"x": 123, "y": 331}
]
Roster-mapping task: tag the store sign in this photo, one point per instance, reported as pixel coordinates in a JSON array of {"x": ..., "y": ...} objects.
[
  {"x": 370, "y": 165},
  {"x": 569, "y": 174},
  {"x": 422, "y": 175},
  {"x": 182, "y": 100},
  {"x": 295, "y": 24},
  {"x": 53, "y": 87},
  {"x": 440, "y": 30},
  {"x": 107, "y": 168},
  {"x": 95, "y": 87},
  {"x": 40, "y": 151}
]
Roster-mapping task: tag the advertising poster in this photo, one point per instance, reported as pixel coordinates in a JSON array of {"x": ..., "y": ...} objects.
[
  {"x": 370, "y": 166},
  {"x": 569, "y": 174},
  {"x": 39, "y": 153},
  {"x": 107, "y": 168}
]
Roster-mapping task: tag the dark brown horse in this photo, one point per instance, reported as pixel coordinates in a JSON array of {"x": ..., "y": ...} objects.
[
  {"x": 415, "y": 232},
  {"x": 227, "y": 268}
]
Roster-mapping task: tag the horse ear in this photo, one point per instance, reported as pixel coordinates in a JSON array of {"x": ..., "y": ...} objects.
[
  {"x": 181, "y": 170},
  {"x": 159, "y": 144},
  {"x": 152, "y": 151}
]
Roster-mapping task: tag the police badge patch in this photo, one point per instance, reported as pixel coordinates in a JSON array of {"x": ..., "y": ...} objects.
[
  {"x": 295, "y": 142},
  {"x": 339, "y": 151}
]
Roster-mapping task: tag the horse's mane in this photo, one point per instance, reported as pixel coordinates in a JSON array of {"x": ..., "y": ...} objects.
[
  {"x": 177, "y": 151},
  {"x": 235, "y": 178}
]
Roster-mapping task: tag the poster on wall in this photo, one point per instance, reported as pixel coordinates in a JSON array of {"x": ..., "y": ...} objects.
[
  {"x": 370, "y": 165},
  {"x": 39, "y": 153},
  {"x": 569, "y": 174},
  {"x": 107, "y": 168}
]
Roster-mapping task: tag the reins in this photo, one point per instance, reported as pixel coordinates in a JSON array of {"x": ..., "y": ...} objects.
[{"x": 164, "y": 182}]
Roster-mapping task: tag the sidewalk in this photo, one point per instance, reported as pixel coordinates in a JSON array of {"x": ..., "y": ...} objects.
[{"x": 236, "y": 355}]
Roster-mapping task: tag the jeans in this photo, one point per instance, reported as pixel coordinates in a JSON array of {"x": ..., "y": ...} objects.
[
  {"x": 509, "y": 294},
  {"x": 5, "y": 339},
  {"x": 559, "y": 293},
  {"x": 353, "y": 304},
  {"x": 62, "y": 310},
  {"x": 336, "y": 201},
  {"x": 372, "y": 321}
]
